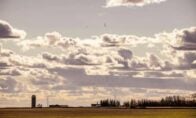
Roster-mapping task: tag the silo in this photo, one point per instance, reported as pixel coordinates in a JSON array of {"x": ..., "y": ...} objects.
[{"x": 33, "y": 101}]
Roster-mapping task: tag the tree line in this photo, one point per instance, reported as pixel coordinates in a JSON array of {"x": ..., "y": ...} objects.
[
  {"x": 110, "y": 103},
  {"x": 170, "y": 101}
]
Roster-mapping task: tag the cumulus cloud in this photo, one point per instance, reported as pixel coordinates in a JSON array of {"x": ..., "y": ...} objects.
[
  {"x": 10, "y": 71},
  {"x": 154, "y": 61},
  {"x": 113, "y": 40},
  {"x": 113, "y": 50},
  {"x": 186, "y": 39},
  {"x": 183, "y": 39},
  {"x": 52, "y": 39},
  {"x": 108, "y": 61},
  {"x": 180, "y": 59},
  {"x": 5, "y": 52},
  {"x": 55, "y": 39},
  {"x": 115, "y": 3},
  {"x": 121, "y": 81},
  {"x": 82, "y": 59},
  {"x": 8, "y": 85},
  {"x": 186, "y": 60},
  {"x": 7, "y": 31},
  {"x": 191, "y": 74},
  {"x": 74, "y": 59},
  {"x": 50, "y": 57},
  {"x": 125, "y": 53}
]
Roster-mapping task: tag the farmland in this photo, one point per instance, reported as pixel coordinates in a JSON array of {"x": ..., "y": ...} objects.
[{"x": 96, "y": 113}]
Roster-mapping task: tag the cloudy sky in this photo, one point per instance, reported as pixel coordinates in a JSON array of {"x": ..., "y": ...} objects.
[{"x": 78, "y": 52}]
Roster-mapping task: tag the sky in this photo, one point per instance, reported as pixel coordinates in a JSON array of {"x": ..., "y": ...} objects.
[{"x": 78, "y": 52}]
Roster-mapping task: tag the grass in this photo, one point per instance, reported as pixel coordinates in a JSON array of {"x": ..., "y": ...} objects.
[{"x": 97, "y": 113}]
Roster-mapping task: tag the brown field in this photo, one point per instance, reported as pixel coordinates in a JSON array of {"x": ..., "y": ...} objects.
[{"x": 97, "y": 113}]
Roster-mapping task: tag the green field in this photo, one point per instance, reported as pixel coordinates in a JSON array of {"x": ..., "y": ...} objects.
[{"x": 97, "y": 113}]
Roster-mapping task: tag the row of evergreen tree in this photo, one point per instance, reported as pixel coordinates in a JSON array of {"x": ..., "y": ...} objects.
[
  {"x": 110, "y": 103},
  {"x": 170, "y": 101}
]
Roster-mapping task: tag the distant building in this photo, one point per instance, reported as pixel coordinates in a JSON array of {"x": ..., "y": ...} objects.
[
  {"x": 39, "y": 106},
  {"x": 95, "y": 105},
  {"x": 58, "y": 106},
  {"x": 33, "y": 101}
]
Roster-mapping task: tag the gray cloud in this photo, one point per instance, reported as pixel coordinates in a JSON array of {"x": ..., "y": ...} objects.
[
  {"x": 50, "y": 57},
  {"x": 10, "y": 72},
  {"x": 184, "y": 39},
  {"x": 125, "y": 53},
  {"x": 154, "y": 61},
  {"x": 122, "y": 81},
  {"x": 74, "y": 59},
  {"x": 4, "y": 64},
  {"x": 7, "y": 31},
  {"x": 186, "y": 60},
  {"x": 8, "y": 85},
  {"x": 80, "y": 66},
  {"x": 113, "y": 40}
]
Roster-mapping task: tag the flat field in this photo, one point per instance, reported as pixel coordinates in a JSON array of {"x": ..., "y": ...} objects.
[{"x": 97, "y": 113}]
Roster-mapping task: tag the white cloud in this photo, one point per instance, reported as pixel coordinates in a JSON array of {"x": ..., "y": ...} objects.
[
  {"x": 191, "y": 74},
  {"x": 115, "y": 3},
  {"x": 115, "y": 50},
  {"x": 53, "y": 39},
  {"x": 7, "y": 31},
  {"x": 183, "y": 39},
  {"x": 109, "y": 62}
]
